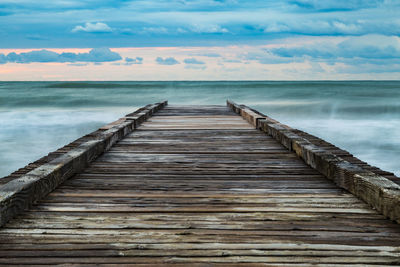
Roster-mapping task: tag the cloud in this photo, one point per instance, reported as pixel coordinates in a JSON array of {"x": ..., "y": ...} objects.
[
  {"x": 316, "y": 67},
  {"x": 210, "y": 55},
  {"x": 368, "y": 69},
  {"x": 35, "y": 56},
  {"x": 336, "y": 5},
  {"x": 98, "y": 27},
  {"x": 320, "y": 27},
  {"x": 44, "y": 5},
  {"x": 204, "y": 28},
  {"x": 275, "y": 27},
  {"x": 156, "y": 30},
  {"x": 78, "y": 64},
  {"x": 130, "y": 61},
  {"x": 352, "y": 55},
  {"x": 193, "y": 61},
  {"x": 369, "y": 47},
  {"x": 167, "y": 61},
  {"x": 196, "y": 67},
  {"x": 188, "y": 22},
  {"x": 267, "y": 57},
  {"x": 45, "y": 56},
  {"x": 3, "y": 59},
  {"x": 232, "y": 61}
]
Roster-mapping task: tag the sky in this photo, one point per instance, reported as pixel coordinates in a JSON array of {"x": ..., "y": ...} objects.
[{"x": 199, "y": 40}]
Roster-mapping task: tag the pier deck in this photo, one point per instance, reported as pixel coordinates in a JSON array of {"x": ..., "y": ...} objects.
[{"x": 200, "y": 185}]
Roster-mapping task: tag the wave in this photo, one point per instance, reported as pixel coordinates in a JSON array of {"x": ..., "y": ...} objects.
[{"x": 347, "y": 113}]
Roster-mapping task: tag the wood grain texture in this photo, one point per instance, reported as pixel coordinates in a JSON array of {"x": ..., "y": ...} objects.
[
  {"x": 199, "y": 186},
  {"x": 23, "y": 190},
  {"x": 378, "y": 188}
]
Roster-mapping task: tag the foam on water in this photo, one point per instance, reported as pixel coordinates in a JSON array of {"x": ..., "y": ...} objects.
[{"x": 362, "y": 117}]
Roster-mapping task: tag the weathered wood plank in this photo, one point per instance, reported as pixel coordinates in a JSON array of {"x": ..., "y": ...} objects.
[
  {"x": 22, "y": 192},
  {"x": 378, "y": 191},
  {"x": 199, "y": 186}
]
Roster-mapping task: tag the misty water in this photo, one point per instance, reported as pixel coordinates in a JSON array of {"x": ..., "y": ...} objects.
[{"x": 361, "y": 117}]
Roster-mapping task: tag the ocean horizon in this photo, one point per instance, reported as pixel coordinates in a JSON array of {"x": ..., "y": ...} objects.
[{"x": 362, "y": 117}]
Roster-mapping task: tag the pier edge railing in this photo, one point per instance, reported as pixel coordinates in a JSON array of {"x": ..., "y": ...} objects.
[
  {"x": 21, "y": 192},
  {"x": 376, "y": 190}
]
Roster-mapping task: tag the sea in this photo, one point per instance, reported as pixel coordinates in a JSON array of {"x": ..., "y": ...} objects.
[{"x": 362, "y": 117}]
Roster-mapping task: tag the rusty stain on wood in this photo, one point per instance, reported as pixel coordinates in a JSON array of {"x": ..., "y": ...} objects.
[{"x": 200, "y": 185}]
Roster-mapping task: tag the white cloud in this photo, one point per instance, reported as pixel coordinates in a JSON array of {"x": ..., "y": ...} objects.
[
  {"x": 203, "y": 28},
  {"x": 98, "y": 27},
  {"x": 276, "y": 27},
  {"x": 156, "y": 30},
  {"x": 319, "y": 26}
]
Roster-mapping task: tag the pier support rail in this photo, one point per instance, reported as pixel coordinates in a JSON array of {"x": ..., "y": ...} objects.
[
  {"x": 197, "y": 185},
  {"x": 374, "y": 189},
  {"x": 19, "y": 193}
]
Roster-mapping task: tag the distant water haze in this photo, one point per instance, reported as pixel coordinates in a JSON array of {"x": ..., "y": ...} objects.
[{"x": 362, "y": 117}]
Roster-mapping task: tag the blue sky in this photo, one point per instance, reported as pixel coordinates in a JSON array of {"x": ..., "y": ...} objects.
[
  {"x": 90, "y": 24},
  {"x": 351, "y": 39}
]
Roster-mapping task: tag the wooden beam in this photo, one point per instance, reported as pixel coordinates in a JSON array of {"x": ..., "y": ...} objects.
[
  {"x": 20, "y": 193},
  {"x": 376, "y": 190}
]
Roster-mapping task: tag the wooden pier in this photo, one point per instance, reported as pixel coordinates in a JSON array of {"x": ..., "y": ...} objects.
[{"x": 199, "y": 186}]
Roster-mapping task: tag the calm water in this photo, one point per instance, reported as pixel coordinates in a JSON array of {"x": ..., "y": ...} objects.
[{"x": 362, "y": 117}]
